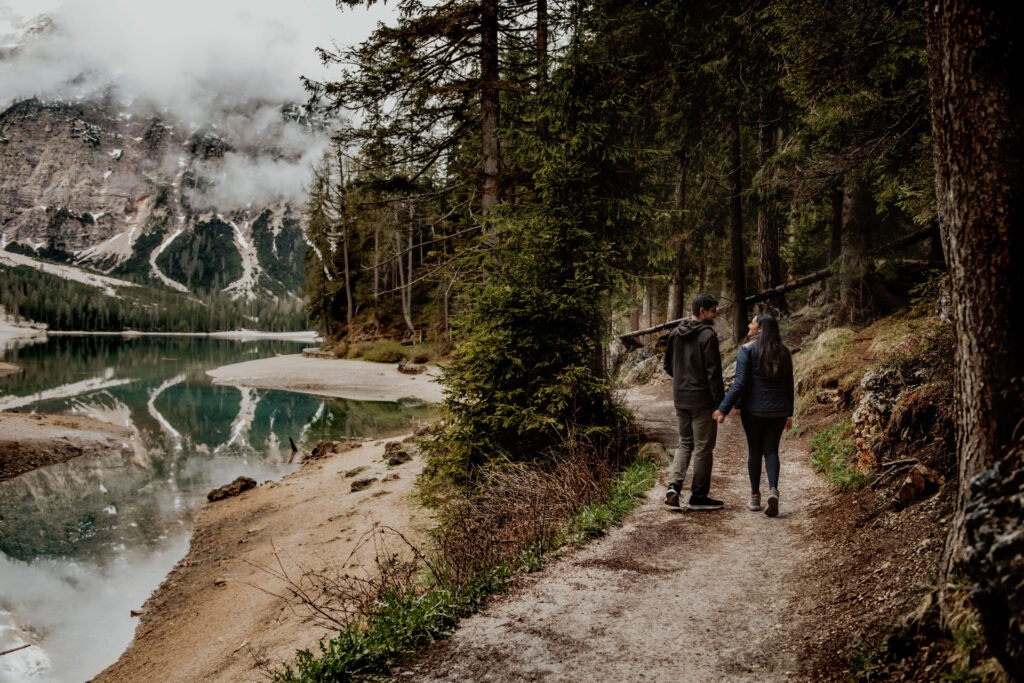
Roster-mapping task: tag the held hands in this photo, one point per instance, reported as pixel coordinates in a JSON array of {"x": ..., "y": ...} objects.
[{"x": 718, "y": 416}]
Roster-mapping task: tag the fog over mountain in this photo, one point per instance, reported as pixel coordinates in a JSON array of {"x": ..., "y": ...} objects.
[{"x": 201, "y": 64}]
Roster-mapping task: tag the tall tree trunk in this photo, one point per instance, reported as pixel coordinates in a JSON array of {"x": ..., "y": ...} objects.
[
  {"x": 974, "y": 50},
  {"x": 376, "y": 261},
  {"x": 343, "y": 217},
  {"x": 407, "y": 284},
  {"x": 348, "y": 280},
  {"x": 634, "y": 315},
  {"x": 489, "y": 107},
  {"x": 675, "y": 288},
  {"x": 542, "y": 60},
  {"x": 769, "y": 265},
  {"x": 739, "y": 276},
  {"x": 858, "y": 220},
  {"x": 835, "y": 242}
]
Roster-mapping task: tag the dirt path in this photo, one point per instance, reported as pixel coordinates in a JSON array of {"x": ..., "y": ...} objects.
[{"x": 680, "y": 596}]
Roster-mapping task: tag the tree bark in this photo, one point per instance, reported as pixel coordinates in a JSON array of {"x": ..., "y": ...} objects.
[
  {"x": 739, "y": 281},
  {"x": 675, "y": 288},
  {"x": 769, "y": 265},
  {"x": 490, "y": 159},
  {"x": 835, "y": 243},
  {"x": 343, "y": 217},
  {"x": 974, "y": 50},
  {"x": 858, "y": 219}
]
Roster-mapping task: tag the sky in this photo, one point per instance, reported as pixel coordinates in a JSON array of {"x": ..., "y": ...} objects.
[
  {"x": 194, "y": 59},
  {"x": 177, "y": 53}
]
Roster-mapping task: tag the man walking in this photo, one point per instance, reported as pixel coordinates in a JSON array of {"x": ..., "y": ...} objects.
[{"x": 693, "y": 361}]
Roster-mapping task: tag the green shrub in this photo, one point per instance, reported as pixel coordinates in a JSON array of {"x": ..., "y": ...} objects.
[{"x": 832, "y": 453}]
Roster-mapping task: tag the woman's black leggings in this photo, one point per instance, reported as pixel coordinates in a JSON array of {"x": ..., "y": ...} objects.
[{"x": 763, "y": 436}]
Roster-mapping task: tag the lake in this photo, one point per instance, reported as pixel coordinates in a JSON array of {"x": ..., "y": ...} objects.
[{"x": 82, "y": 543}]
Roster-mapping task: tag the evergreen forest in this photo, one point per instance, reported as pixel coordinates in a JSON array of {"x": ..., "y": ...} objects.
[{"x": 545, "y": 185}]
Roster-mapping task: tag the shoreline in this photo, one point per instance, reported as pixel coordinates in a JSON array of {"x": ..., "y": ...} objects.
[
  {"x": 337, "y": 378},
  {"x": 218, "y": 615},
  {"x": 241, "y": 335}
]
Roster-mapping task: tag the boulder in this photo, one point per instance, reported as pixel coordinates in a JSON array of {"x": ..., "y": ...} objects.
[
  {"x": 232, "y": 489},
  {"x": 656, "y": 452},
  {"x": 397, "y": 457},
  {"x": 360, "y": 484},
  {"x": 324, "y": 449},
  {"x": 407, "y": 368},
  {"x": 995, "y": 557}
]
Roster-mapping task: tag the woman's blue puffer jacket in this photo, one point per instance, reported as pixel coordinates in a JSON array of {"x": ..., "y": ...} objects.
[{"x": 754, "y": 393}]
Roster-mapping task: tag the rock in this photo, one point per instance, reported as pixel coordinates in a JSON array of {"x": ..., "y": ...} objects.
[
  {"x": 360, "y": 484},
  {"x": 137, "y": 612},
  {"x": 920, "y": 482},
  {"x": 317, "y": 352},
  {"x": 639, "y": 366},
  {"x": 324, "y": 449},
  {"x": 397, "y": 457},
  {"x": 421, "y": 432},
  {"x": 406, "y": 368},
  {"x": 220, "y": 583},
  {"x": 655, "y": 451},
  {"x": 994, "y": 564},
  {"x": 391, "y": 477},
  {"x": 233, "y": 489},
  {"x": 392, "y": 446},
  {"x": 353, "y": 472},
  {"x": 729, "y": 375}
]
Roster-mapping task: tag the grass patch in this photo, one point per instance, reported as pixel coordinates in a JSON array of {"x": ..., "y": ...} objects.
[
  {"x": 832, "y": 453},
  {"x": 401, "y": 623},
  {"x": 392, "y": 351}
]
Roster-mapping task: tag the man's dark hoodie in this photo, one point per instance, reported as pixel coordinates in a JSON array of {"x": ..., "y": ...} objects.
[{"x": 695, "y": 365}]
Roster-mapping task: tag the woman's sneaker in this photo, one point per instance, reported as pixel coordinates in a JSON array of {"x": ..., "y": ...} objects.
[
  {"x": 672, "y": 496},
  {"x": 704, "y": 503},
  {"x": 755, "y": 502},
  {"x": 772, "y": 508}
]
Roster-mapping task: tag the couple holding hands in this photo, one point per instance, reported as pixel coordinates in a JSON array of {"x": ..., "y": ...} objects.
[{"x": 762, "y": 390}]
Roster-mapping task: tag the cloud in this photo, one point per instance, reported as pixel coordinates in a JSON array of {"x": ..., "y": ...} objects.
[
  {"x": 189, "y": 56},
  {"x": 238, "y": 180},
  {"x": 204, "y": 64}
]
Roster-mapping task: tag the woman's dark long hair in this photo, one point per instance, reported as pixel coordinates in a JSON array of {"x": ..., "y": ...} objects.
[{"x": 772, "y": 355}]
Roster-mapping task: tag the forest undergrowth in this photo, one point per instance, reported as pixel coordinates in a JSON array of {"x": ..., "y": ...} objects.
[{"x": 876, "y": 402}]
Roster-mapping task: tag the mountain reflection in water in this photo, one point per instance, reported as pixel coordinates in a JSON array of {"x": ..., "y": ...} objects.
[{"x": 114, "y": 525}]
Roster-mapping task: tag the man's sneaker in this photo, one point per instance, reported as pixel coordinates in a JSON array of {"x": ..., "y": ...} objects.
[
  {"x": 704, "y": 503},
  {"x": 672, "y": 496},
  {"x": 772, "y": 508},
  {"x": 755, "y": 502}
]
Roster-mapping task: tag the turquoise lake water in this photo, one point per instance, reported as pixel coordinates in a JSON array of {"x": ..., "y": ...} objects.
[{"x": 84, "y": 542}]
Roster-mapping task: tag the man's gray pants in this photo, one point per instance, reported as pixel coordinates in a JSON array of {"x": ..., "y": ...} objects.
[{"x": 697, "y": 434}]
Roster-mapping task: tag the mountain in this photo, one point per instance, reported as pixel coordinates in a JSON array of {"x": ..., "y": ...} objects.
[{"x": 137, "y": 195}]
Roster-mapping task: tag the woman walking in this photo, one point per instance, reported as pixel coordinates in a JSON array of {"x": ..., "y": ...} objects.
[{"x": 763, "y": 391}]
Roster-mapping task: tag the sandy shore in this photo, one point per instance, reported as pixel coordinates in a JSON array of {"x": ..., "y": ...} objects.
[
  {"x": 29, "y": 441},
  {"x": 217, "y": 616},
  {"x": 238, "y": 335},
  {"x": 14, "y": 333},
  {"x": 359, "y": 380}
]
